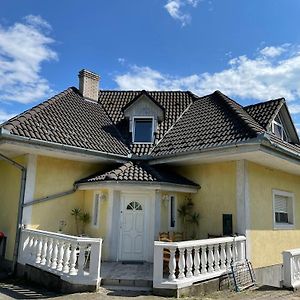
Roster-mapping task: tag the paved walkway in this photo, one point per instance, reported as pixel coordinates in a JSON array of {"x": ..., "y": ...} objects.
[{"x": 15, "y": 289}]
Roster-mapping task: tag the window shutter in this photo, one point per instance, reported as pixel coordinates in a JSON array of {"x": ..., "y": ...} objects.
[{"x": 281, "y": 204}]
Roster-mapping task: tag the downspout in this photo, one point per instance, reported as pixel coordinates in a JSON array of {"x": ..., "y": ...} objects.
[
  {"x": 51, "y": 197},
  {"x": 20, "y": 208}
]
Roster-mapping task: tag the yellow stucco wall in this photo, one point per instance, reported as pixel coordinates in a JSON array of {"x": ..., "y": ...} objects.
[
  {"x": 267, "y": 243},
  {"x": 10, "y": 178},
  {"x": 216, "y": 197},
  {"x": 55, "y": 176},
  {"x": 100, "y": 230}
]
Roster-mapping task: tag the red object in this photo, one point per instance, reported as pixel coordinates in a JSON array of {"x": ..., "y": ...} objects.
[{"x": 1, "y": 235}]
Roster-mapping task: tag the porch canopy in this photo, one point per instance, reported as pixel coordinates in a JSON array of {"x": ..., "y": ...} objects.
[{"x": 139, "y": 175}]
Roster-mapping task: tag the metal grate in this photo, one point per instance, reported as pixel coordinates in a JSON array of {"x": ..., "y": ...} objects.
[{"x": 242, "y": 275}]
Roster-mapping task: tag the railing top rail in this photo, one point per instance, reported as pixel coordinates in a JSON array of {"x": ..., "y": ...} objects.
[
  {"x": 62, "y": 236},
  {"x": 199, "y": 243},
  {"x": 292, "y": 252}
]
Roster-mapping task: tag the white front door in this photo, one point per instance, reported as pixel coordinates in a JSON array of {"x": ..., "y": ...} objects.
[{"x": 132, "y": 228}]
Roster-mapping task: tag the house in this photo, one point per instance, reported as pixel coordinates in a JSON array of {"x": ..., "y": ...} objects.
[{"x": 132, "y": 159}]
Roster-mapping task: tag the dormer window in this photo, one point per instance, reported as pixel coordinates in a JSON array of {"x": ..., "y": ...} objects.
[
  {"x": 142, "y": 130},
  {"x": 278, "y": 129}
]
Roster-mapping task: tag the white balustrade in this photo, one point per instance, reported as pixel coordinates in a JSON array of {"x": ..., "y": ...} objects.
[
  {"x": 291, "y": 268},
  {"x": 195, "y": 260},
  {"x": 74, "y": 259}
]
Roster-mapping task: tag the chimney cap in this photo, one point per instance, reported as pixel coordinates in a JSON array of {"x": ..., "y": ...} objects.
[{"x": 89, "y": 74}]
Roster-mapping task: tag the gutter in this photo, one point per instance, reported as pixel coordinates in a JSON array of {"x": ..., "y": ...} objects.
[
  {"x": 5, "y": 134},
  {"x": 20, "y": 208},
  {"x": 182, "y": 156}
]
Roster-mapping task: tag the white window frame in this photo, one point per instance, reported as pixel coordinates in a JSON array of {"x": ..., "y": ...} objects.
[
  {"x": 282, "y": 128},
  {"x": 169, "y": 212},
  {"x": 96, "y": 195},
  {"x": 133, "y": 129},
  {"x": 291, "y": 213}
]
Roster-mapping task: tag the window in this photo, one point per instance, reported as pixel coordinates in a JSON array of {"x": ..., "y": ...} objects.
[
  {"x": 143, "y": 130},
  {"x": 172, "y": 212},
  {"x": 278, "y": 129},
  {"x": 96, "y": 207},
  {"x": 134, "y": 206},
  {"x": 283, "y": 205}
]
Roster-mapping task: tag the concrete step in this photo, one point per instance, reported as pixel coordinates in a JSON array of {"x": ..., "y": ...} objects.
[
  {"x": 127, "y": 288},
  {"x": 136, "y": 284}
]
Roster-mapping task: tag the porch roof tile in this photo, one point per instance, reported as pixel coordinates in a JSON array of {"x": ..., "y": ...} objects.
[{"x": 139, "y": 172}]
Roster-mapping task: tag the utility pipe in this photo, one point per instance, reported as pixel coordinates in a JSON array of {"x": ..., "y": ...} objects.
[
  {"x": 20, "y": 208},
  {"x": 51, "y": 197}
]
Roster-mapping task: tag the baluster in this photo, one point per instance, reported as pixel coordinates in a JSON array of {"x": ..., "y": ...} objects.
[
  {"x": 217, "y": 258},
  {"x": 54, "y": 254},
  {"x": 39, "y": 250},
  {"x": 181, "y": 263},
  {"x": 81, "y": 259},
  {"x": 189, "y": 262},
  {"x": 196, "y": 261},
  {"x": 73, "y": 259},
  {"x": 235, "y": 252},
  {"x": 34, "y": 249},
  {"x": 172, "y": 265},
  {"x": 49, "y": 252},
  {"x": 297, "y": 258},
  {"x": 44, "y": 250},
  {"x": 203, "y": 260},
  {"x": 228, "y": 254},
  {"x": 210, "y": 259},
  {"x": 295, "y": 268},
  {"x": 28, "y": 249},
  {"x": 66, "y": 263},
  {"x": 60, "y": 257},
  {"x": 223, "y": 257}
]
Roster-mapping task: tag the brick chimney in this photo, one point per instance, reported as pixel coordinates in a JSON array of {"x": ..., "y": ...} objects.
[{"x": 89, "y": 84}]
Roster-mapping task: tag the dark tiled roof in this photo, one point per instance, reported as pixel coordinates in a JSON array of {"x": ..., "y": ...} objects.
[
  {"x": 264, "y": 112},
  {"x": 211, "y": 121},
  {"x": 174, "y": 102},
  {"x": 139, "y": 172},
  {"x": 70, "y": 120}
]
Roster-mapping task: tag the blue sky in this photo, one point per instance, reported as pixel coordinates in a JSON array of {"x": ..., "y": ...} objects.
[{"x": 250, "y": 50}]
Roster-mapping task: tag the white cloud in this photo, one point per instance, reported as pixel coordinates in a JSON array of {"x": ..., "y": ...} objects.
[
  {"x": 273, "y": 51},
  {"x": 175, "y": 10},
  {"x": 4, "y": 116},
  {"x": 260, "y": 78},
  {"x": 24, "y": 46},
  {"x": 294, "y": 109}
]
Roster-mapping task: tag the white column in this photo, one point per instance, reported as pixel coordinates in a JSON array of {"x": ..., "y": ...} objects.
[
  {"x": 243, "y": 203},
  {"x": 157, "y": 265},
  {"x": 29, "y": 187}
]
